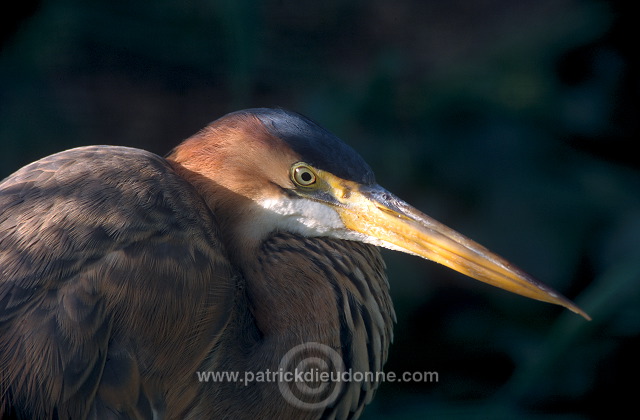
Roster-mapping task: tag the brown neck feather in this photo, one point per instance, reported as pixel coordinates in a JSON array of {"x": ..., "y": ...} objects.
[
  {"x": 302, "y": 291},
  {"x": 297, "y": 290}
]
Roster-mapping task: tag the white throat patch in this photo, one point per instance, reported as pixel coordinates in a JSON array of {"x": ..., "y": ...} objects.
[{"x": 308, "y": 218}]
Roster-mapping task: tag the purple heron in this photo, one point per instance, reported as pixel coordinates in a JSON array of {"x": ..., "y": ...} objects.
[{"x": 124, "y": 275}]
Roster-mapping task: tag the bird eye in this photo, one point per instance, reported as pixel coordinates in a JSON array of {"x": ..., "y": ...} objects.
[{"x": 302, "y": 175}]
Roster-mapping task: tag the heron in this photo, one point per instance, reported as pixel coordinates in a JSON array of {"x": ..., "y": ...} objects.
[{"x": 124, "y": 276}]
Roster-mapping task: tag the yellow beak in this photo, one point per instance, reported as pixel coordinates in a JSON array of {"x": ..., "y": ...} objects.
[{"x": 376, "y": 213}]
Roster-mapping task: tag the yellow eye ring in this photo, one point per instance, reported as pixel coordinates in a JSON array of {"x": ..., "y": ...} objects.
[{"x": 302, "y": 175}]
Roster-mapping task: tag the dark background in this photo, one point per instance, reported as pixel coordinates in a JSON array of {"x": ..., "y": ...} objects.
[{"x": 512, "y": 122}]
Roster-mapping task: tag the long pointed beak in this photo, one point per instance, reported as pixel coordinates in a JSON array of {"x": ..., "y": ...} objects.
[{"x": 376, "y": 213}]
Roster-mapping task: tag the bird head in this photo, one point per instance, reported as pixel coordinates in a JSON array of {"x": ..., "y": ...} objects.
[{"x": 266, "y": 170}]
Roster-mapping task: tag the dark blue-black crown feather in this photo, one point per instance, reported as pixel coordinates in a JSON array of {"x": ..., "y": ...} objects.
[{"x": 316, "y": 145}]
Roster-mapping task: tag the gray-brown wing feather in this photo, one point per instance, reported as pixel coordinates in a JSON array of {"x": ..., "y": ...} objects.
[{"x": 114, "y": 286}]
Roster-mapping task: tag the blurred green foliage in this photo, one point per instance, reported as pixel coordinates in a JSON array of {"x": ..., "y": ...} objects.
[{"x": 512, "y": 122}]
